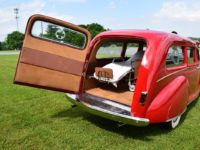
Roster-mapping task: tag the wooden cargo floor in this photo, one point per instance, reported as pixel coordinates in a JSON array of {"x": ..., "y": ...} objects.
[{"x": 117, "y": 95}]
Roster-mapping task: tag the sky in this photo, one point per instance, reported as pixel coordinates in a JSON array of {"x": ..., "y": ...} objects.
[{"x": 182, "y": 16}]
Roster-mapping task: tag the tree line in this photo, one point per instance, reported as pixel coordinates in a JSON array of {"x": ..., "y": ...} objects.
[{"x": 14, "y": 40}]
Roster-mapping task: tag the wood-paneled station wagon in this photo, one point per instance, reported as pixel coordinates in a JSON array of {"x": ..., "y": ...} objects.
[{"x": 135, "y": 77}]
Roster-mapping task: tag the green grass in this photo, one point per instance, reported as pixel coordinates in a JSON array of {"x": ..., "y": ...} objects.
[
  {"x": 32, "y": 118},
  {"x": 8, "y": 51}
]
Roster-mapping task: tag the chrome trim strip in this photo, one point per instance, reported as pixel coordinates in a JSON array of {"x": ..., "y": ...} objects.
[
  {"x": 110, "y": 115},
  {"x": 170, "y": 75}
]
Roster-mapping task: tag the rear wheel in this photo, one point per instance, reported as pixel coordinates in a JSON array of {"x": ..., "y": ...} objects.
[{"x": 174, "y": 122}]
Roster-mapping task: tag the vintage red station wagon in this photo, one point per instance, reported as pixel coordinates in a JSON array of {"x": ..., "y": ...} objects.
[{"x": 136, "y": 77}]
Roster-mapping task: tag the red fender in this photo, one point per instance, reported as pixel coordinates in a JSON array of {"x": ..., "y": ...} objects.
[{"x": 170, "y": 102}]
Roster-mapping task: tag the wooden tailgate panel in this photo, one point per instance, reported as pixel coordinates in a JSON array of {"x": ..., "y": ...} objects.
[{"x": 50, "y": 65}]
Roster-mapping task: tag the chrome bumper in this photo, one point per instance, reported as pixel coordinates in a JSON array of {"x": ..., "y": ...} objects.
[{"x": 122, "y": 118}]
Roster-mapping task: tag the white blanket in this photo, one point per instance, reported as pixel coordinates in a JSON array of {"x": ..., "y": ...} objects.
[{"x": 120, "y": 69}]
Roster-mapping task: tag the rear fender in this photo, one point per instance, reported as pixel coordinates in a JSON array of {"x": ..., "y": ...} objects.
[{"x": 170, "y": 102}]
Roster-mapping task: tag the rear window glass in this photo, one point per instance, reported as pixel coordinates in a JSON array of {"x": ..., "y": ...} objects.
[
  {"x": 110, "y": 50},
  {"x": 120, "y": 49},
  {"x": 131, "y": 49},
  {"x": 57, "y": 33}
]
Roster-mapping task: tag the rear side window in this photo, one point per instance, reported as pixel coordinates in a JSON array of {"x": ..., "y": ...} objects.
[
  {"x": 175, "y": 56},
  {"x": 191, "y": 55},
  {"x": 110, "y": 50}
]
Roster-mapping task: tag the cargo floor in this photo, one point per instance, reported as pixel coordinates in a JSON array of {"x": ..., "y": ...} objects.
[{"x": 115, "y": 94}]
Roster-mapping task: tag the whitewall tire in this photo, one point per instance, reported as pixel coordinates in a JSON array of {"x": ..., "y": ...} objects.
[{"x": 174, "y": 122}]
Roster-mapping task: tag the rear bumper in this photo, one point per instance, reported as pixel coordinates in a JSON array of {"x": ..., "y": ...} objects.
[{"x": 106, "y": 113}]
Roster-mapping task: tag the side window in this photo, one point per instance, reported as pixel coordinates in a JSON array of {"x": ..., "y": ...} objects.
[
  {"x": 191, "y": 54},
  {"x": 110, "y": 50},
  {"x": 131, "y": 49},
  {"x": 175, "y": 56}
]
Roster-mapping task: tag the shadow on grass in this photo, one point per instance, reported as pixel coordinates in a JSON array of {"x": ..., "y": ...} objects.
[{"x": 128, "y": 131}]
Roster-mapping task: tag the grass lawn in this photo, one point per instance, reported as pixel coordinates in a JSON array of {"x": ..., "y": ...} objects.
[
  {"x": 9, "y": 51},
  {"x": 32, "y": 118}
]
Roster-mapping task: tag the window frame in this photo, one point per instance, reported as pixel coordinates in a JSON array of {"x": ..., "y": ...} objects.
[
  {"x": 196, "y": 57},
  {"x": 197, "y": 54}
]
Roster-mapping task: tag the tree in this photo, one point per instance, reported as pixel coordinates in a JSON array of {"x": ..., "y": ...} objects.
[
  {"x": 195, "y": 38},
  {"x": 94, "y": 28},
  {"x": 64, "y": 35},
  {"x": 3, "y": 46},
  {"x": 50, "y": 32},
  {"x": 14, "y": 40},
  {"x": 69, "y": 36}
]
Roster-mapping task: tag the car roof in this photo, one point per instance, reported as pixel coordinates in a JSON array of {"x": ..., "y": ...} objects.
[{"x": 146, "y": 34}]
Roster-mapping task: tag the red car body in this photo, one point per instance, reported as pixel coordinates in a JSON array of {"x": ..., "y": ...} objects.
[{"x": 162, "y": 93}]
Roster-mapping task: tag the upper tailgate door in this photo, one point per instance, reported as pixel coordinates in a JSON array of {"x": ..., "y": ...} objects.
[{"x": 53, "y": 55}]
